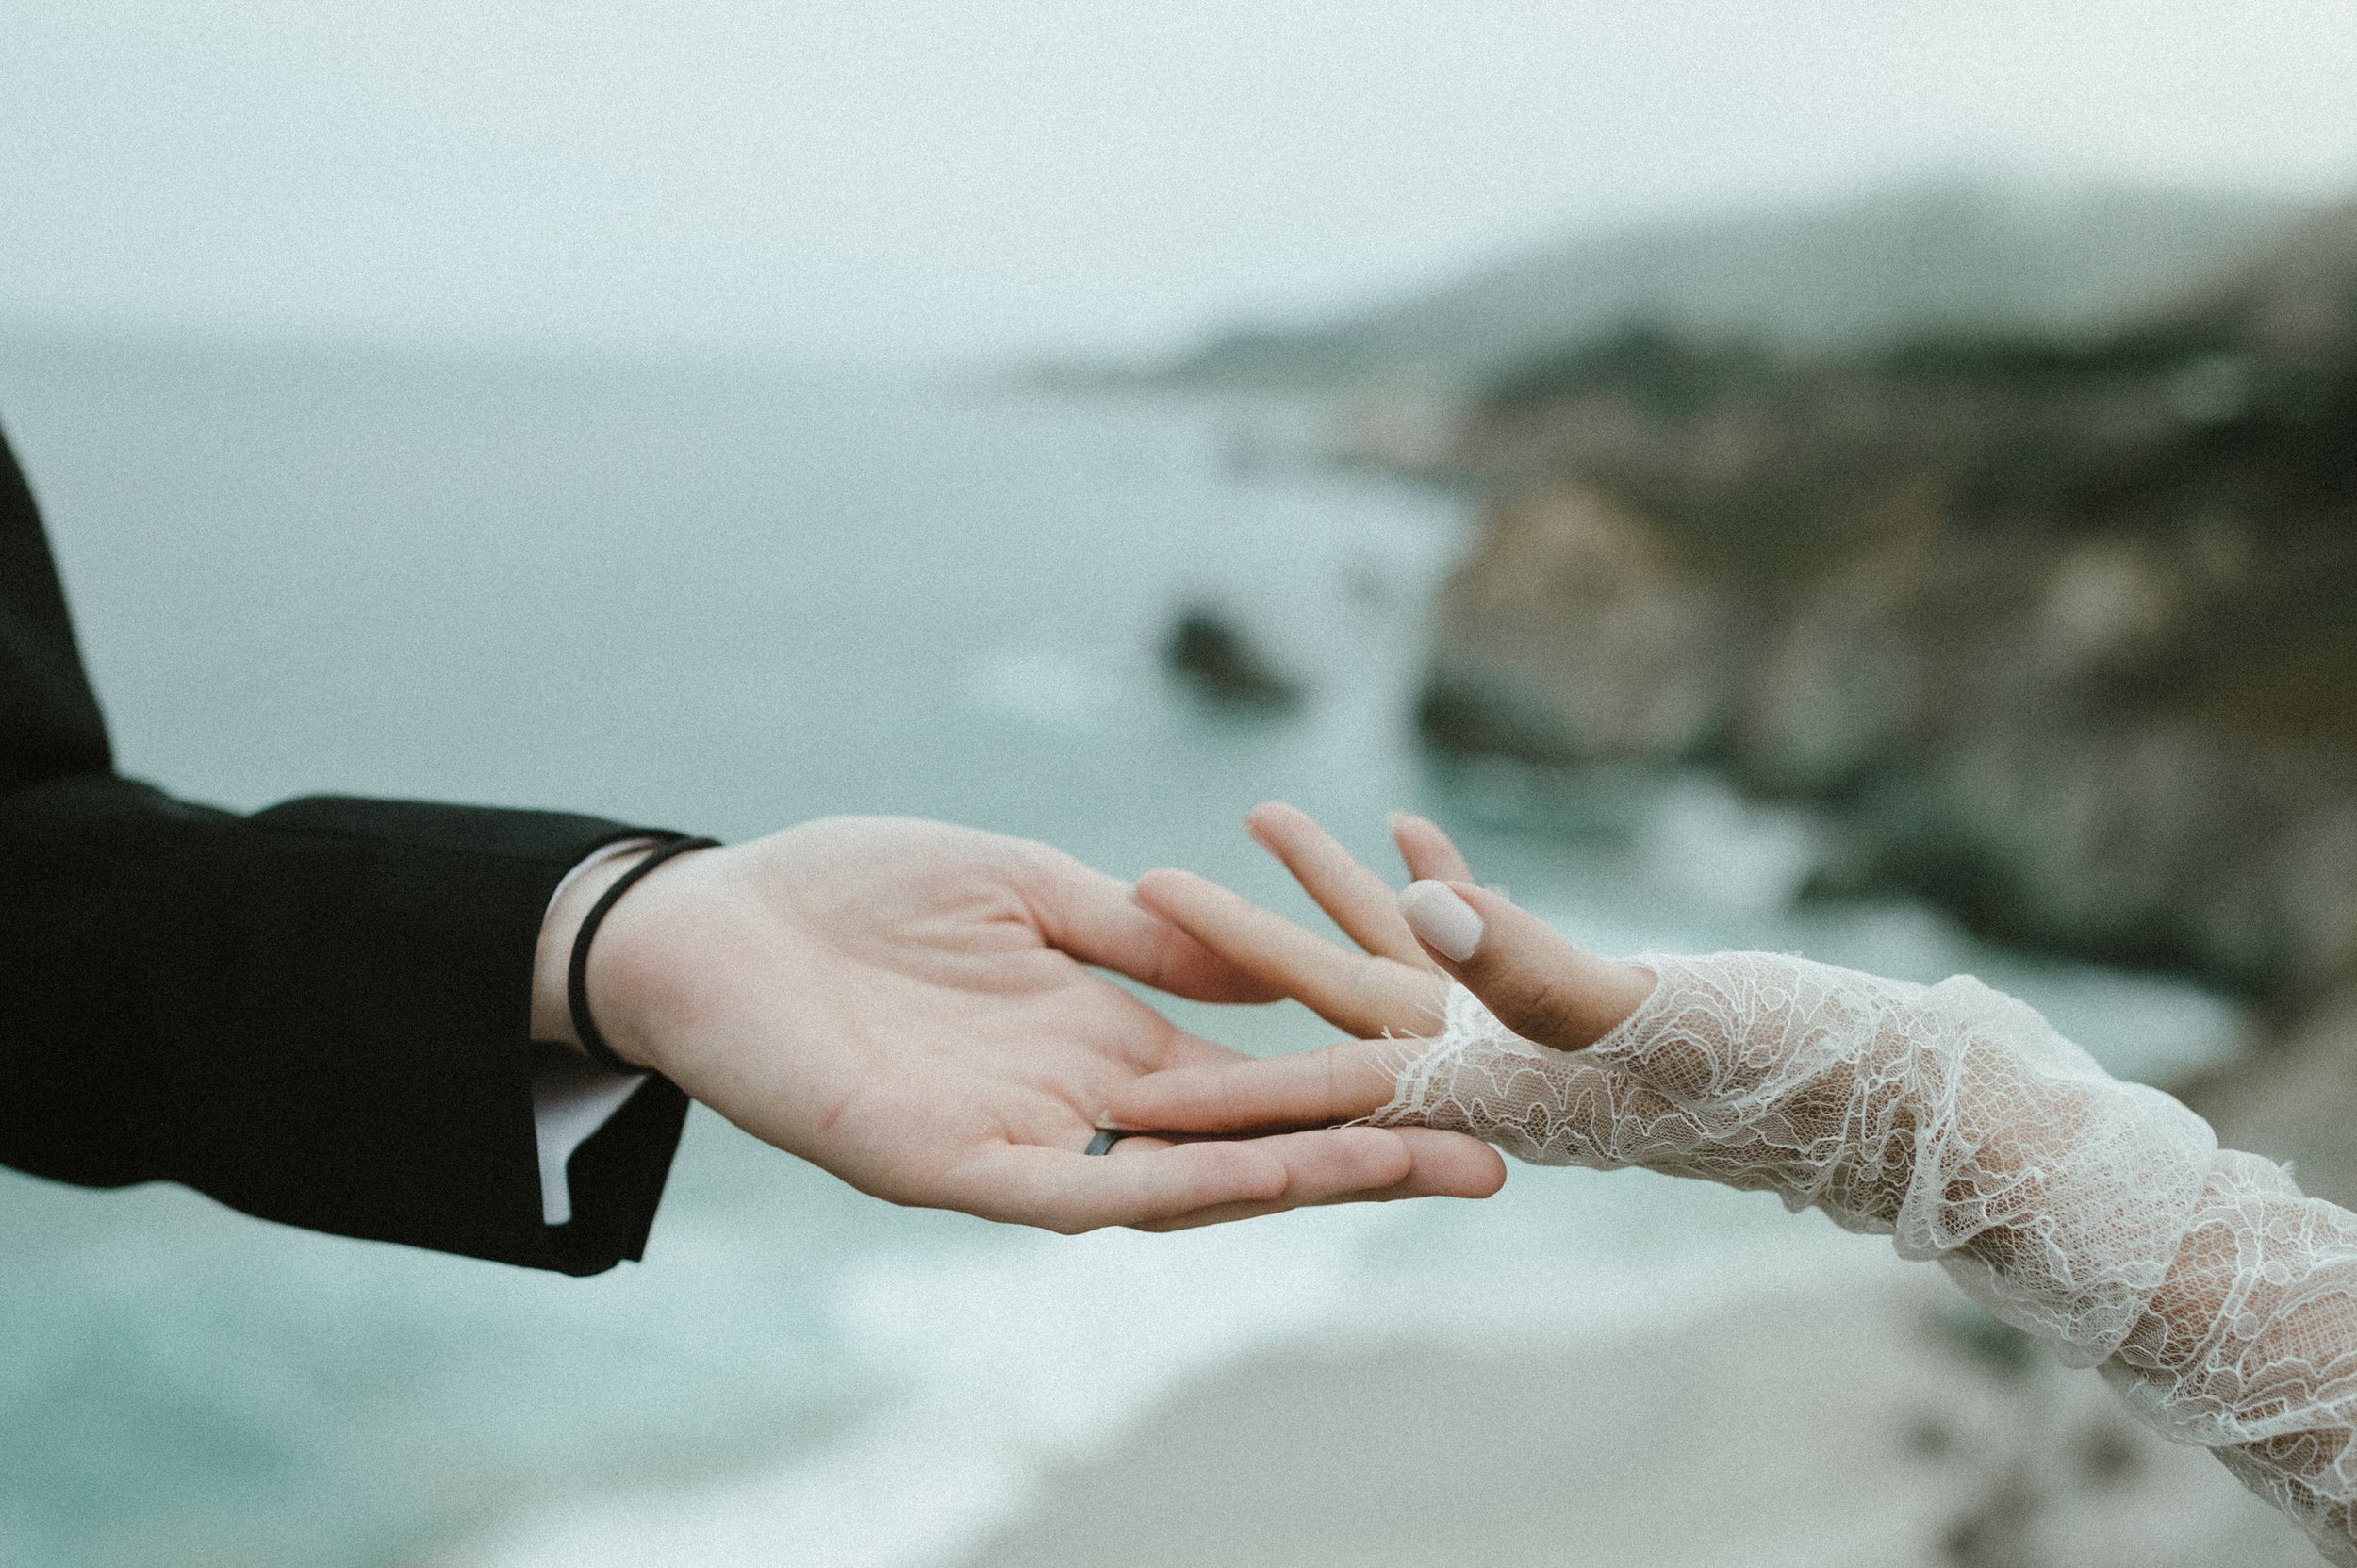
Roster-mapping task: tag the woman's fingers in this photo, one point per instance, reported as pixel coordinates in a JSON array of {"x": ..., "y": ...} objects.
[
  {"x": 1310, "y": 1088},
  {"x": 1451, "y": 1165},
  {"x": 1538, "y": 985},
  {"x": 1426, "y": 851},
  {"x": 1444, "y": 1164},
  {"x": 1065, "y": 1190},
  {"x": 1180, "y": 1047},
  {"x": 1085, "y": 912},
  {"x": 1361, "y": 996},
  {"x": 1363, "y": 904}
]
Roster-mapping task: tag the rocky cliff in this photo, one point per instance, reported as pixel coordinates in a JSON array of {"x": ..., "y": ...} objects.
[{"x": 2066, "y": 628}]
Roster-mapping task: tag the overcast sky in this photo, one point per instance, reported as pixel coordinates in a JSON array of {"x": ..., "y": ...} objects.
[{"x": 993, "y": 176}]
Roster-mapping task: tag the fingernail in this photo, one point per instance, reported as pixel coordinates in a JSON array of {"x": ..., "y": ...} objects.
[
  {"x": 1441, "y": 919},
  {"x": 1111, "y": 1123}
]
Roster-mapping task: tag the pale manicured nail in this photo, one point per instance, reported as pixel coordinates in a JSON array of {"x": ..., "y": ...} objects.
[{"x": 1441, "y": 919}]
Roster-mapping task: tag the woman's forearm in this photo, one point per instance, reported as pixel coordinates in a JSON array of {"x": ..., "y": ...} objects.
[
  {"x": 2250, "y": 1347},
  {"x": 2098, "y": 1216}
]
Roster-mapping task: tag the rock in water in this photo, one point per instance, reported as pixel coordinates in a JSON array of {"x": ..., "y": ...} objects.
[{"x": 1211, "y": 655}]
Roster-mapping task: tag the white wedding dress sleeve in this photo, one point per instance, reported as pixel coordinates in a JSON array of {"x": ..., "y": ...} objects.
[{"x": 2098, "y": 1215}]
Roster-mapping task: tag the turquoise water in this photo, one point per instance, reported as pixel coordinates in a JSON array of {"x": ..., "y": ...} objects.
[{"x": 726, "y": 598}]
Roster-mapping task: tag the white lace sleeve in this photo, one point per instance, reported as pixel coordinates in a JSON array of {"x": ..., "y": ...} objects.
[{"x": 2098, "y": 1216}]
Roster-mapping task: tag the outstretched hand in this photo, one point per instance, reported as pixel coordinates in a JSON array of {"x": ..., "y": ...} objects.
[
  {"x": 910, "y": 1006},
  {"x": 1410, "y": 945}
]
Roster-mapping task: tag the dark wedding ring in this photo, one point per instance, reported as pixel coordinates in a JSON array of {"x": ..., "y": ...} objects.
[{"x": 1103, "y": 1143}]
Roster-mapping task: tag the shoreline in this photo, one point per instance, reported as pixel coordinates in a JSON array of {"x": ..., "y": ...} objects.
[{"x": 1879, "y": 1422}]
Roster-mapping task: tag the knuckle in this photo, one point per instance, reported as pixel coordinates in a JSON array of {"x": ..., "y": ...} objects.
[{"x": 1543, "y": 1009}]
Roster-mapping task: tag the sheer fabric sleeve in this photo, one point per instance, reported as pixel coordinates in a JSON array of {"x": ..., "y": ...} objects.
[{"x": 2098, "y": 1216}]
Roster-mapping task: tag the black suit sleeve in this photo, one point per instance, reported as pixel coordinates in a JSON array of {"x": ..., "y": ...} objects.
[{"x": 317, "y": 1014}]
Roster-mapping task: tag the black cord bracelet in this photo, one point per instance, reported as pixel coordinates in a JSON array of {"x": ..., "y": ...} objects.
[{"x": 577, "y": 973}]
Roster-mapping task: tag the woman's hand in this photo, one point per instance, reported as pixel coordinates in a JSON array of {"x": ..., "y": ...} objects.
[
  {"x": 1410, "y": 945},
  {"x": 909, "y": 1005},
  {"x": 1390, "y": 986}
]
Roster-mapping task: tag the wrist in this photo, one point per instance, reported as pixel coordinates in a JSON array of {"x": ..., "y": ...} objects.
[{"x": 583, "y": 886}]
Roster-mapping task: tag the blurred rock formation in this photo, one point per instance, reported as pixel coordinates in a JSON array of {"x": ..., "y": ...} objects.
[
  {"x": 1212, "y": 654},
  {"x": 2064, "y": 623}
]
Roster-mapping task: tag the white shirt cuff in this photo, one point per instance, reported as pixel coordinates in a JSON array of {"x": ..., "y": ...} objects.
[
  {"x": 572, "y": 1098},
  {"x": 571, "y": 1095}
]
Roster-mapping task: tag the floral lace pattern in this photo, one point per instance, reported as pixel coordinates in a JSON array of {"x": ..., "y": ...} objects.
[{"x": 2098, "y": 1216}]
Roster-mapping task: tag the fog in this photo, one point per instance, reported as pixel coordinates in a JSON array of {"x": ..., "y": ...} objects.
[{"x": 927, "y": 180}]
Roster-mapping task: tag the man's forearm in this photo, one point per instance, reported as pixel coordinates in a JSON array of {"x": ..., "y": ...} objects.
[{"x": 320, "y": 1015}]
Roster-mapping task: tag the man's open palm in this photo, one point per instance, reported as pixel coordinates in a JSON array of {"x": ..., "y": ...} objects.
[{"x": 909, "y": 1005}]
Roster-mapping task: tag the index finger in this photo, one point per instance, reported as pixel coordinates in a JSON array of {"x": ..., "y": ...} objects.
[
  {"x": 1361, "y": 904},
  {"x": 1351, "y": 991},
  {"x": 1312, "y": 1088},
  {"x": 1430, "y": 853},
  {"x": 1081, "y": 911}
]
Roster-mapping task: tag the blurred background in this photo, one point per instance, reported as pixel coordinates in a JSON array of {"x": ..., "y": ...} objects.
[{"x": 1873, "y": 479}]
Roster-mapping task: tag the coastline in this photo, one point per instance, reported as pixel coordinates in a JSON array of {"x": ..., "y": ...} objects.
[{"x": 1869, "y": 1421}]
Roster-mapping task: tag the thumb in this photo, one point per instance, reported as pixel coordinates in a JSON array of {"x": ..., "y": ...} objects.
[{"x": 1540, "y": 985}]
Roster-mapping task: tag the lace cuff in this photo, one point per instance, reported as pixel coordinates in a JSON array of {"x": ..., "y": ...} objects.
[
  {"x": 2100, "y": 1216},
  {"x": 1951, "y": 1118}
]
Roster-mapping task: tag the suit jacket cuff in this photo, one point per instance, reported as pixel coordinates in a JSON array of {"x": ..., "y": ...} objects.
[{"x": 319, "y": 1015}]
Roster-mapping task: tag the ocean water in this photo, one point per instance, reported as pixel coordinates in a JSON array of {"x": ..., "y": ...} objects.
[{"x": 726, "y": 597}]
